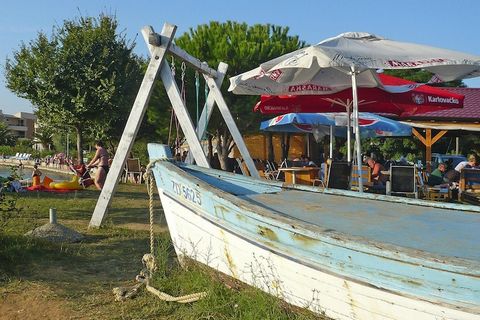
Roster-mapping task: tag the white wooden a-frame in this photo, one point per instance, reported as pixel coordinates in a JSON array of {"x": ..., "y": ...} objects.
[{"x": 158, "y": 46}]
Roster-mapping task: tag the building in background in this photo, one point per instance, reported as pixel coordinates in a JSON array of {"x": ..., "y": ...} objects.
[{"x": 20, "y": 124}]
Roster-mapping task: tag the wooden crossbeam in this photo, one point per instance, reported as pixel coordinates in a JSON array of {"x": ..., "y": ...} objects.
[
  {"x": 419, "y": 136},
  {"x": 428, "y": 142},
  {"x": 154, "y": 39},
  {"x": 438, "y": 136}
]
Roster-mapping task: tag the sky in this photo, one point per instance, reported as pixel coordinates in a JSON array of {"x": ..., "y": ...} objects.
[{"x": 440, "y": 23}]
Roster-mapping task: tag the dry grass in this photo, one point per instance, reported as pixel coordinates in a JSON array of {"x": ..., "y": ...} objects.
[{"x": 41, "y": 280}]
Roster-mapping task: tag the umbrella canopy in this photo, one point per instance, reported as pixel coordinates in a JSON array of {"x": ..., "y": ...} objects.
[
  {"x": 350, "y": 60},
  {"x": 325, "y": 68},
  {"x": 371, "y": 125},
  {"x": 419, "y": 100}
]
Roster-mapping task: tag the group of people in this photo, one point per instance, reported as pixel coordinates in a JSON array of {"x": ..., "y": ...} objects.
[
  {"x": 442, "y": 174},
  {"x": 304, "y": 161},
  {"x": 100, "y": 160}
]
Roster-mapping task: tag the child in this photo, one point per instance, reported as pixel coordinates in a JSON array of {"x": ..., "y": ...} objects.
[{"x": 36, "y": 175}]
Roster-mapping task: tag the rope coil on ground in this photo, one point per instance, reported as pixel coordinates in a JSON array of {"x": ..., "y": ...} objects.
[{"x": 148, "y": 260}]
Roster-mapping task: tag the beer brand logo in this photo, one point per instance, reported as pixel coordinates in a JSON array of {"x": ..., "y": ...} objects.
[
  {"x": 415, "y": 64},
  {"x": 418, "y": 98},
  {"x": 450, "y": 100},
  {"x": 308, "y": 87},
  {"x": 275, "y": 74}
]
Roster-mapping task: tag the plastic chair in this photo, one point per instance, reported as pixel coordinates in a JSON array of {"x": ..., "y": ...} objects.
[{"x": 133, "y": 170}]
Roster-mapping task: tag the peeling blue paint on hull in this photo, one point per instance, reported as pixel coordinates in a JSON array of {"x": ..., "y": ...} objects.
[{"x": 342, "y": 255}]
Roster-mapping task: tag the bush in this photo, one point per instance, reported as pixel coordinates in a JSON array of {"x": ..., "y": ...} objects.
[{"x": 139, "y": 150}]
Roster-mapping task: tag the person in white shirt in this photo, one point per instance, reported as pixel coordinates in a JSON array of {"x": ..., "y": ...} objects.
[{"x": 470, "y": 163}]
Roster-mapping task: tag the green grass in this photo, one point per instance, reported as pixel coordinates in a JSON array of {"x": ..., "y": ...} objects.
[{"x": 77, "y": 279}]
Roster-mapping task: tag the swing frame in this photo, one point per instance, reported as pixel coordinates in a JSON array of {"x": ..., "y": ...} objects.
[{"x": 159, "y": 45}]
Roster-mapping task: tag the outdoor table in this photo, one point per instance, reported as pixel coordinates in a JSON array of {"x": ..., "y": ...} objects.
[{"x": 300, "y": 175}]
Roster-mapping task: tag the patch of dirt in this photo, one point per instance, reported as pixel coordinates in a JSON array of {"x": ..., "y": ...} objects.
[{"x": 33, "y": 302}]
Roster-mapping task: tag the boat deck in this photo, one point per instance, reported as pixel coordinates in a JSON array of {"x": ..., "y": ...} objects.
[{"x": 446, "y": 232}]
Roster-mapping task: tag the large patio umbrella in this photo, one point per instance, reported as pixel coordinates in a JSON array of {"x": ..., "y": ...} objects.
[
  {"x": 393, "y": 100},
  {"x": 350, "y": 60},
  {"x": 335, "y": 124},
  {"x": 421, "y": 99},
  {"x": 371, "y": 125}
]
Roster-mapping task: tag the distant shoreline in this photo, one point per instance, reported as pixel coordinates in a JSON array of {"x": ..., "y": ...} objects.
[{"x": 29, "y": 164}]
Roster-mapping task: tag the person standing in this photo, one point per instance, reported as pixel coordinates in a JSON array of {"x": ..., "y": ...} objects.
[
  {"x": 100, "y": 160},
  {"x": 36, "y": 173}
]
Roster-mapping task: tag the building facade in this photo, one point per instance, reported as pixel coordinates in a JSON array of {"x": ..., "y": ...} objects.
[{"x": 20, "y": 124}]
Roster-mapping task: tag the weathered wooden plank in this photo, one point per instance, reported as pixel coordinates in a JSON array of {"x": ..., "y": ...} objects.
[
  {"x": 232, "y": 127},
  {"x": 183, "y": 117},
  {"x": 182, "y": 114},
  {"x": 209, "y": 105},
  {"x": 419, "y": 136},
  {"x": 131, "y": 128}
]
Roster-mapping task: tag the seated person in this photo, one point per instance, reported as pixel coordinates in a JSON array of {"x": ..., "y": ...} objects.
[
  {"x": 454, "y": 175},
  {"x": 451, "y": 176},
  {"x": 470, "y": 163},
  {"x": 378, "y": 177},
  {"x": 299, "y": 161},
  {"x": 309, "y": 163},
  {"x": 437, "y": 176}
]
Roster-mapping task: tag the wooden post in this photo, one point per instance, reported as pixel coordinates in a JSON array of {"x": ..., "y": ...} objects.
[
  {"x": 428, "y": 151},
  {"x": 428, "y": 141},
  {"x": 131, "y": 127}
]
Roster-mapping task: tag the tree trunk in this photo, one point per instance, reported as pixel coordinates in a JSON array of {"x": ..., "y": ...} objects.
[
  {"x": 79, "y": 145},
  {"x": 210, "y": 147},
  {"x": 223, "y": 147},
  {"x": 270, "y": 154}
]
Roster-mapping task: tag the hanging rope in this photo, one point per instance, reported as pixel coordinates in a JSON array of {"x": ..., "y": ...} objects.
[
  {"x": 197, "y": 91},
  {"x": 206, "y": 111},
  {"x": 172, "y": 112},
  {"x": 148, "y": 259}
]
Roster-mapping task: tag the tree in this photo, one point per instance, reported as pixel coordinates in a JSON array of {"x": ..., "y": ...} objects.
[
  {"x": 84, "y": 76},
  {"x": 45, "y": 139},
  {"x": 242, "y": 47},
  {"x": 6, "y": 139}
]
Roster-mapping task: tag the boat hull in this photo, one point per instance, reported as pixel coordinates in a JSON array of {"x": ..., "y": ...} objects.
[
  {"x": 247, "y": 229},
  {"x": 201, "y": 239}
]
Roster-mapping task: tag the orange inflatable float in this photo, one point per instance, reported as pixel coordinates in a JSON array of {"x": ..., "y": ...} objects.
[{"x": 49, "y": 185}]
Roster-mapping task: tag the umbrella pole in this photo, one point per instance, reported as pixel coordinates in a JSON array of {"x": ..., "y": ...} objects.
[
  {"x": 331, "y": 142},
  {"x": 357, "y": 128},
  {"x": 349, "y": 135}
]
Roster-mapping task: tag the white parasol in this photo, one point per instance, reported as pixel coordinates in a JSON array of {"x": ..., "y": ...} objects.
[{"x": 350, "y": 60}]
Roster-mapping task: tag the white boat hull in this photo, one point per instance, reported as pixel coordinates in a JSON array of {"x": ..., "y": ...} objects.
[{"x": 205, "y": 240}]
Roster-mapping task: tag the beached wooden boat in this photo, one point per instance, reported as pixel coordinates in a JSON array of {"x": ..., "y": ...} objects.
[{"x": 346, "y": 255}]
